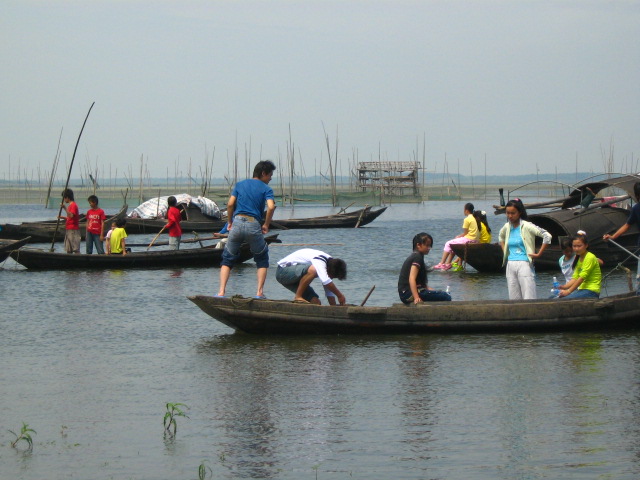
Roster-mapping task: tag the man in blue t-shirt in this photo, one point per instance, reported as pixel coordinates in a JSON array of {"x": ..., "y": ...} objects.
[
  {"x": 634, "y": 219},
  {"x": 244, "y": 213}
]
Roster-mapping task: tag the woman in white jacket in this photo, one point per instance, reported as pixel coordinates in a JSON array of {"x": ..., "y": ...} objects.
[{"x": 518, "y": 241}]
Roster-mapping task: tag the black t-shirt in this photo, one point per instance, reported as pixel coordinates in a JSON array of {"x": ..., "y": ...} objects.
[{"x": 415, "y": 258}]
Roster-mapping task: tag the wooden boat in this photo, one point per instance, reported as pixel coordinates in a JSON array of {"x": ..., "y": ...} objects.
[
  {"x": 195, "y": 221},
  {"x": 596, "y": 220},
  {"x": 256, "y": 316},
  {"x": 8, "y": 245},
  {"x": 355, "y": 219},
  {"x": 209, "y": 256},
  {"x": 43, "y": 231}
]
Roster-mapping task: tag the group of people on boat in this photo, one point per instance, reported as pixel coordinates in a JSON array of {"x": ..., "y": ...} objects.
[
  {"x": 517, "y": 238},
  {"x": 112, "y": 242}
]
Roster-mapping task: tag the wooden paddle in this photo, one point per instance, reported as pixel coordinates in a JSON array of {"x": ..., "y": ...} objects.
[
  {"x": 367, "y": 297},
  {"x": 156, "y": 237}
]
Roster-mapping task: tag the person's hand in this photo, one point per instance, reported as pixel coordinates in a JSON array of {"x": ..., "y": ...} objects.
[
  {"x": 342, "y": 299},
  {"x": 417, "y": 301},
  {"x": 606, "y": 237},
  {"x": 534, "y": 255}
]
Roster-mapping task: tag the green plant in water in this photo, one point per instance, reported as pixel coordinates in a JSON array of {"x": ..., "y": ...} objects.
[
  {"x": 173, "y": 411},
  {"x": 25, "y": 434},
  {"x": 202, "y": 471}
]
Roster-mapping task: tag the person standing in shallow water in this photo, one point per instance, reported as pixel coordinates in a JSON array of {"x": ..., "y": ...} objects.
[
  {"x": 244, "y": 213},
  {"x": 518, "y": 241}
]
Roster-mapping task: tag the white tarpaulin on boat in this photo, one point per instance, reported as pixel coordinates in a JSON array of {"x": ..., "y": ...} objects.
[{"x": 157, "y": 207}]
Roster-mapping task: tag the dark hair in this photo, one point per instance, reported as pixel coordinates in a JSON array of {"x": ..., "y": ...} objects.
[
  {"x": 566, "y": 242},
  {"x": 172, "y": 201},
  {"x": 469, "y": 207},
  {"x": 582, "y": 236},
  {"x": 121, "y": 222},
  {"x": 263, "y": 166},
  {"x": 518, "y": 205},
  {"x": 420, "y": 238},
  {"x": 337, "y": 268},
  {"x": 93, "y": 198},
  {"x": 67, "y": 193},
  {"x": 481, "y": 219},
  {"x": 636, "y": 191}
]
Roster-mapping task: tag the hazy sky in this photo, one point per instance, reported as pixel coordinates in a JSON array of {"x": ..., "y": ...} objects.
[{"x": 522, "y": 83}]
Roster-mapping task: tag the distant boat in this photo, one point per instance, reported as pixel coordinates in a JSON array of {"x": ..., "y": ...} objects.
[
  {"x": 193, "y": 220},
  {"x": 282, "y": 317}
]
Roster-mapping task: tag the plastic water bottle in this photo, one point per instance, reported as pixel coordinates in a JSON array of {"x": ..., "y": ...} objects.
[
  {"x": 555, "y": 290},
  {"x": 448, "y": 289}
]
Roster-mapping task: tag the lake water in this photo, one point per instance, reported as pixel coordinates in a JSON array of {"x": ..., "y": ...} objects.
[{"x": 91, "y": 358}]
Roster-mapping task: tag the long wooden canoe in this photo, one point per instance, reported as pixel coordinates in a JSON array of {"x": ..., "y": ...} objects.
[
  {"x": 8, "y": 245},
  {"x": 285, "y": 317},
  {"x": 210, "y": 256},
  {"x": 200, "y": 223},
  {"x": 43, "y": 231}
]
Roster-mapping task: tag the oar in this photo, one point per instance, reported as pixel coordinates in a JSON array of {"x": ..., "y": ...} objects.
[
  {"x": 367, "y": 297},
  {"x": 620, "y": 246},
  {"x": 156, "y": 237}
]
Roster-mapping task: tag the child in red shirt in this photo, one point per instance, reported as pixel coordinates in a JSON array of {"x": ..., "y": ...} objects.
[
  {"x": 173, "y": 224},
  {"x": 72, "y": 222},
  {"x": 95, "y": 226}
]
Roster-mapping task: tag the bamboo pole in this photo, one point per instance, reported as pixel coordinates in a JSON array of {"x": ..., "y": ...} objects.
[{"x": 53, "y": 240}]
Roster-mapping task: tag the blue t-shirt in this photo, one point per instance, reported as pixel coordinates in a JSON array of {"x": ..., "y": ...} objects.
[
  {"x": 634, "y": 217},
  {"x": 517, "y": 251},
  {"x": 251, "y": 197}
]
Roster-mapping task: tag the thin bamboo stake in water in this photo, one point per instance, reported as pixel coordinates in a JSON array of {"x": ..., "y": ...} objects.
[{"x": 66, "y": 185}]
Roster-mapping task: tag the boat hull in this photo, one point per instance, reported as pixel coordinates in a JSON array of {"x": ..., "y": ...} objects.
[
  {"x": 36, "y": 259},
  {"x": 353, "y": 219},
  {"x": 8, "y": 245},
  {"x": 284, "y": 317}
]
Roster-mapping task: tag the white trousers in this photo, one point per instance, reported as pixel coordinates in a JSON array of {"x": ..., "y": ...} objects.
[{"x": 521, "y": 280}]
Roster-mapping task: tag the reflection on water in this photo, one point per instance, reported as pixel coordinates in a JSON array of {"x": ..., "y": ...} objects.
[{"x": 101, "y": 353}]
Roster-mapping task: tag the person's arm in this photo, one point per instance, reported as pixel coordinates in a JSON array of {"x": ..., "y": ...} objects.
[
  {"x": 623, "y": 229},
  {"x": 546, "y": 240},
  {"x": 570, "y": 286},
  {"x": 123, "y": 242},
  {"x": 101, "y": 230},
  {"x": 231, "y": 206},
  {"x": 332, "y": 287},
  {"x": 413, "y": 285},
  {"x": 271, "y": 208}
]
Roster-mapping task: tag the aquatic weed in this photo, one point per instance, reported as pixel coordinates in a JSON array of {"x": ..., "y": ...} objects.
[
  {"x": 25, "y": 434},
  {"x": 202, "y": 471},
  {"x": 173, "y": 411}
]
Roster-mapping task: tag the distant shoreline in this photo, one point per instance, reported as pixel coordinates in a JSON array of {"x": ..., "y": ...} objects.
[{"x": 114, "y": 196}]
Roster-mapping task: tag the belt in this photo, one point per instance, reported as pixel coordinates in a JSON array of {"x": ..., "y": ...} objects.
[
  {"x": 249, "y": 219},
  {"x": 288, "y": 264}
]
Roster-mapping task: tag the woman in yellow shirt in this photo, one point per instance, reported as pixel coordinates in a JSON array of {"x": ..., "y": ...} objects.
[{"x": 587, "y": 276}]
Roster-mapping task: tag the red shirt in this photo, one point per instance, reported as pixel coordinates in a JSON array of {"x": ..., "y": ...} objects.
[
  {"x": 73, "y": 223},
  {"x": 173, "y": 215},
  {"x": 95, "y": 218}
]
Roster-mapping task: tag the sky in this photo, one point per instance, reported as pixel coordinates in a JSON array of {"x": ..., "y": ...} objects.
[{"x": 502, "y": 87}]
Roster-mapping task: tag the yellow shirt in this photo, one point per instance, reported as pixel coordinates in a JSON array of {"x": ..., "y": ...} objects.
[
  {"x": 116, "y": 240},
  {"x": 470, "y": 224},
  {"x": 485, "y": 235},
  {"x": 589, "y": 270}
]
